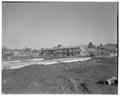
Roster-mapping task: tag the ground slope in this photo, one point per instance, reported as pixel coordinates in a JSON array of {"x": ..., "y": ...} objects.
[{"x": 62, "y": 78}]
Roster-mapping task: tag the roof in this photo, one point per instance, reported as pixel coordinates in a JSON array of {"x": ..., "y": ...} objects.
[
  {"x": 69, "y": 46},
  {"x": 64, "y": 47},
  {"x": 92, "y": 49}
]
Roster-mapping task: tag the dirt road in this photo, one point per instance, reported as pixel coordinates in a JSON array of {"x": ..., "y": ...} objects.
[{"x": 19, "y": 64}]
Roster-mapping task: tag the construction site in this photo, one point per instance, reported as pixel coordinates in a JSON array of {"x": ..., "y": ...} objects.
[
  {"x": 60, "y": 47},
  {"x": 94, "y": 76}
]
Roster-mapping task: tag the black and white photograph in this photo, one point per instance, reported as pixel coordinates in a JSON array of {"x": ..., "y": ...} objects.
[{"x": 59, "y": 47}]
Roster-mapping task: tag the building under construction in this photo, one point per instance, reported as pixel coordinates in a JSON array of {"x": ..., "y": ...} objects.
[{"x": 63, "y": 51}]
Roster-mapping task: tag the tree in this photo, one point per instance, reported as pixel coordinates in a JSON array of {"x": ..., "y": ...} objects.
[
  {"x": 59, "y": 45},
  {"x": 5, "y": 48},
  {"x": 42, "y": 49},
  {"x": 101, "y": 45},
  {"x": 92, "y": 54},
  {"x": 27, "y": 49},
  {"x": 90, "y": 45}
]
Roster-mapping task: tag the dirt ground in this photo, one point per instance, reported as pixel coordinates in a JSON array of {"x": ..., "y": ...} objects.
[{"x": 62, "y": 78}]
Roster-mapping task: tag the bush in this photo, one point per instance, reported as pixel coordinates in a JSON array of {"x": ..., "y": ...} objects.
[{"x": 91, "y": 55}]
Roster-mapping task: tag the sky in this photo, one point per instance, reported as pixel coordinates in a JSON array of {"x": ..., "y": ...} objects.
[{"x": 45, "y": 25}]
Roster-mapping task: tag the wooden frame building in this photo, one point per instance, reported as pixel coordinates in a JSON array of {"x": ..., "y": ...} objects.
[{"x": 66, "y": 51}]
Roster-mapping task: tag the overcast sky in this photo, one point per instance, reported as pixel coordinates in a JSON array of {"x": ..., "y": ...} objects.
[{"x": 39, "y": 25}]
